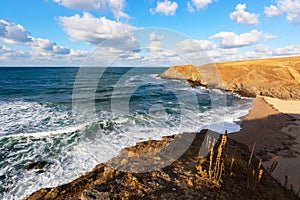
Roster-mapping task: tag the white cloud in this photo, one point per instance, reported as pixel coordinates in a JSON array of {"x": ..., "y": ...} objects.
[
  {"x": 270, "y": 36},
  {"x": 96, "y": 30},
  {"x": 195, "y": 45},
  {"x": 290, "y": 7},
  {"x": 232, "y": 40},
  {"x": 243, "y": 17},
  {"x": 46, "y": 47},
  {"x": 199, "y": 4},
  {"x": 44, "y": 44},
  {"x": 272, "y": 11},
  {"x": 78, "y": 53},
  {"x": 221, "y": 55},
  {"x": 80, "y": 4},
  {"x": 61, "y": 50},
  {"x": 259, "y": 51},
  {"x": 226, "y": 52},
  {"x": 6, "y": 53},
  {"x": 190, "y": 8},
  {"x": 194, "y": 51},
  {"x": 155, "y": 42},
  {"x": 13, "y": 33},
  {"x": 165, "y": 7},
  {"x": 256, "y": 55},
  {"x": 40, "y": 50},
  {"x": 116, "y": 6},
  {"x": 287, "y": 51},
  {"x": 261, "y": 48},
  {"x": 157, "y": 54}
]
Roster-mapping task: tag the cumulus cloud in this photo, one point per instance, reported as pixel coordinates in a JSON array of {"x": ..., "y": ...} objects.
[
  {"x": 44, "y": 44},
  {"x": 96, "y": 30},
  {"x": 219, "y": 55},
  {"x": 261, "y": 48},
  {"x": 243, "y": 17},
  {"x": 116, "y": 6},
  {"x": 259, "y": 51},
  {"x": 165, "y": 7},
  {"x": 290, "y": 7},
  {"x": 61, "y": 50},
  {"x": 13, "y": 33},
  {"x": 45, "y": 47},
  {"x": 78, "y": 53},
  {"x": 41, "y": 50},
  {"x": 198, "y": 4},
  {"x": 155, "y": 41},
  {"x": 232, "y": 40},
  {"x": 6, "y": 53},
  {"x": 287, "y": 51},
  {"x": 272, "y": 11},
  {"x": 79, "y": 4},
  {"x": 195, "y": 45}
]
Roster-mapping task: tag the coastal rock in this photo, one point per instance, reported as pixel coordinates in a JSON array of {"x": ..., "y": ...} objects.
[
  {"x": 223, "y": 174},
  {"x": 39, "y": 165},
  {"x": 274, "y": 77}
]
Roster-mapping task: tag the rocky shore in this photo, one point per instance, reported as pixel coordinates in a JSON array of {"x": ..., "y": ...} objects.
[
  {"x": 259, "y": 162},
  {"x": 275, "y": 77},
  {"x": 228, "y": 171}
]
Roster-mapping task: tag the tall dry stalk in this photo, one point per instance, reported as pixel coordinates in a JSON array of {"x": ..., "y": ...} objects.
[
  {"x": 250, "y": 159},
  {"x": 210, "y": 163},
  {"x": 218, "y": 160}
]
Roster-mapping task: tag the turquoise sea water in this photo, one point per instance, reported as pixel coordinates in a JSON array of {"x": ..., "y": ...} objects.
[{"x": 55, "y": 114}]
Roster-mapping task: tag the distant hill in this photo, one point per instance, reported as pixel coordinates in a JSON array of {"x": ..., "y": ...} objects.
[{"x": 274, "y": 77}]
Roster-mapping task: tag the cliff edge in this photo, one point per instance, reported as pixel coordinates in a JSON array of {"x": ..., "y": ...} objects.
[
  {"x": 228, "y": 171},
  {"x": 274, "y": 77}
]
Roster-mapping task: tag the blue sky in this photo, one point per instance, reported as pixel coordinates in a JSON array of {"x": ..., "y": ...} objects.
[{"x": 65, "y": 32}]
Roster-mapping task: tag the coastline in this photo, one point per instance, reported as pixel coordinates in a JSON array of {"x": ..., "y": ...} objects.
[
  {"x": 189, "y": 177},
  {"x": 273, "y": 126},
  {"x": 267, "y": 125}
]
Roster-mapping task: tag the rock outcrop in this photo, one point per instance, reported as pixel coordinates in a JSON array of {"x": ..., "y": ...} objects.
[
  {"x": 224, "y": 173},
  {"x": 274, "y": 77}
]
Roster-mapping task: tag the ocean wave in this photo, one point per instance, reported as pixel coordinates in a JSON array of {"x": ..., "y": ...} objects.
[{"x": 31, "y": 131}]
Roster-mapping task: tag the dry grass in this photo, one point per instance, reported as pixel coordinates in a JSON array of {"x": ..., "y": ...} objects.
[{"x": 223, "y": 163}]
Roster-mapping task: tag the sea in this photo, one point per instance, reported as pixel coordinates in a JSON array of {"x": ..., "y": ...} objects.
[{"x": 73, "y": 118}]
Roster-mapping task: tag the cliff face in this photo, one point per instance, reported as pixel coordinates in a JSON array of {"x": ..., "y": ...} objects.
[{"x": 275, "y": 77}]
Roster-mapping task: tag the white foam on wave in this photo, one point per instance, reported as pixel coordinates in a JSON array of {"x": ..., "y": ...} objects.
[
  {"x": 64, "y": 130},
  {"x": 32, "y": 117},
  {"x": 225, "y": 118},
  {"x": 72, "y": 156}
]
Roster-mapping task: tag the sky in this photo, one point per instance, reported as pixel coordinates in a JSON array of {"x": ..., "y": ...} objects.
[{"x": 73, "y": 32}]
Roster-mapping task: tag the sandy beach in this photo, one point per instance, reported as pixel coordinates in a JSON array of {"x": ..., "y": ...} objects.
[{"x": 273, "y": 127}]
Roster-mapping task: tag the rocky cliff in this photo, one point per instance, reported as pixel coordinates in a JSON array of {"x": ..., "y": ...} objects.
[
  {"x": 227, "y": 172},
  {"x": 275, "y": 77}
]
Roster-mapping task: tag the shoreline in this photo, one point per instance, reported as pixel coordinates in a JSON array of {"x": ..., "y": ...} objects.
[
  {"x": 189, "y": 177},
  {"x": 273, "y": 126},
  {"x": 267, "y": 125}
]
